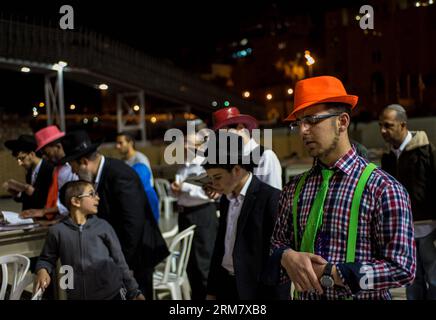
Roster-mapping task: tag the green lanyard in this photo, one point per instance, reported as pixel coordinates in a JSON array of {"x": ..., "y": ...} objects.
[{"x": 354, "y": 213}]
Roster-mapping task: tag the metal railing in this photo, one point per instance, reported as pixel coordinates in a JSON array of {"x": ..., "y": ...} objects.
[{"x": 101, "y": 55}]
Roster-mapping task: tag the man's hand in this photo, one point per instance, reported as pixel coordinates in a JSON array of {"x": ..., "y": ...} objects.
[
  {"x": 42, "y": 280},
  {"x": 176, "y": 188},
  {"x": 299, "y": 266},
  {"x": 29, "y": 189},
  {"x": 210, "y": 192},
  {"x": 32, "y": 213},
  {"x": 139, "y": 297}
]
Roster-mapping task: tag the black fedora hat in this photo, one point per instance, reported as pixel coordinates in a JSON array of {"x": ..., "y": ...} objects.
[
  {"x": 77, "y": 144},
  {"x": 24, "y": 143}
]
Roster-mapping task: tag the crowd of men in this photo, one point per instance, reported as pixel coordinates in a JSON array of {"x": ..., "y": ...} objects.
[{"x": 345, "y": 229}]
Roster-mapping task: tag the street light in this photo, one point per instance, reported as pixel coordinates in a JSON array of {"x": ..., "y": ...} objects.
[{"x": 309, "y": 61}]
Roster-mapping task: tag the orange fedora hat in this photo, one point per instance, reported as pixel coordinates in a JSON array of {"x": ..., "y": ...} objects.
[{"x": 317, "y": 90}]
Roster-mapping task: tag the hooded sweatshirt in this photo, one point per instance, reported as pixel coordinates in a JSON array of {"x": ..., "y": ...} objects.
[{"x": 94, "y": 253}]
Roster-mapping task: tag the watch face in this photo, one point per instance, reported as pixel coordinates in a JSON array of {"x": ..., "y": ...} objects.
[{"x": 327, "y": 281}]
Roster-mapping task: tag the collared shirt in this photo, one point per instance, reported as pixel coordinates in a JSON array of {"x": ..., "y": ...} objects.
[
  {"x": 269, "y": 169},
  {"x": 385, "y": 245},
  {"x": 406, "y": 141},
  {"x": 190, "y": 195},
  {"x": 35, "y": 172},
  {"x": 99, "y": 171},
  {"x": 235, "y": 207},
  {"x": 65, "y": 175}
]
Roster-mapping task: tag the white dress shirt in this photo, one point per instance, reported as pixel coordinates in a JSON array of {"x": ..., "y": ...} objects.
[
  {"x": 235, "y": 207},
  {"x": 65, "y": 175},
  {"x": 269, "y": 169}
]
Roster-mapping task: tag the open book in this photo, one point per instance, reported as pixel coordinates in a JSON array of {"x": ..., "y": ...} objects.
[
  {"x": 11, "y": 221},
  {"x": 15, "y": 185},
  {"x": 198, "y": 180}
]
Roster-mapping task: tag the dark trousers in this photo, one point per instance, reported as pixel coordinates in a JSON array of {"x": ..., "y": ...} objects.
[
  {"x": 227, "y": 288},
  {"x": 145, "y": 282},
  {"x": 424, "y": 285},
  {"x": 206, "y": 221}
]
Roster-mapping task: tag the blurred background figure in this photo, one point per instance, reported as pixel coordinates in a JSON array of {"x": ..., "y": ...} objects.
[{"x": 411, "y": 159}]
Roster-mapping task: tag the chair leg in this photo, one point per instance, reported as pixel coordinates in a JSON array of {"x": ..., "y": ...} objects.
[
  {"x": 176, "y": 293},
  {"x": 186, "y": 290}
]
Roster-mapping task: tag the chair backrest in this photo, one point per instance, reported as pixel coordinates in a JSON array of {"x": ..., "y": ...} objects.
[
  {"x": 162, "y": 187},
  {"x": 19, "y": 266},
  {"x": 180, "y": 249}
]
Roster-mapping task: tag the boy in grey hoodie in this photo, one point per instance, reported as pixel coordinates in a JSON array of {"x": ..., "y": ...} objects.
[{"x": 90, "y": 246}]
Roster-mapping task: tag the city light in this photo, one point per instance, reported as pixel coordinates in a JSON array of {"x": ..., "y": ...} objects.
[
  {"x": 25, "y": 69},
  {"x": 85, "y": 121},
  {"x": 95, "y": 119},
  {"x": 244, "y": 42},
  {"x": 72, "y": 107},
  {"x": 290, "y": 91},
  {"x": 269, "y": 96},
  {"x": 246, "y": 94},
  {"x": 417, "y": 4},
  {"x": 226, "y": 103},
  {"x": 136, "y": 107},
  {"x": 214, "y": 103},
  {"x": 62, "y": 64},
  {"x": 41, "y": 104},
  {"x": 310, "y": 60},
  {"x": 103, "y": 86},
  {"x": 357, "y": 18},
  {"x": 153, "y": 119}
]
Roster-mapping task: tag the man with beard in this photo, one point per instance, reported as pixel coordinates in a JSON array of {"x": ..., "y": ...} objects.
[
  {"x": 344, "y": 228},
  {"x": 32, "y": 194},
  {"x": 123, "y": 204},
  {"x": 411, "y": 159},
  {"x": 48, "y": 141}
]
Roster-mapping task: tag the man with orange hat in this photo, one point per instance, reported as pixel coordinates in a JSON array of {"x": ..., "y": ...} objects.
[
  {"x": 344, "y": 228},
  {"x": 48, "y": 141},
  {"x": 268, "y": 169}
]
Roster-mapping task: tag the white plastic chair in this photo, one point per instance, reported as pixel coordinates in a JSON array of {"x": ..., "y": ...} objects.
[
  {"x": 165, "y": 199},
  {"x": 19, "y": 265},
  {"x": 174, "y": 277}
]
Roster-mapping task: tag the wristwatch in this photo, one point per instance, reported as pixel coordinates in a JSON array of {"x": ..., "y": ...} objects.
[{"x": 326, "y": 279}]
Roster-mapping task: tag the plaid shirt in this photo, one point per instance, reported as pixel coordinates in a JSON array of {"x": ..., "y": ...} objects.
[{"x": 385, "y": 246}]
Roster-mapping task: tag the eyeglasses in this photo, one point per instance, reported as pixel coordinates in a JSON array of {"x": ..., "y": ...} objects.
[
  {"x": 22, "y": 158},
  {"x": 312, "y": 120},
  {"x": 92, "y": 194}
]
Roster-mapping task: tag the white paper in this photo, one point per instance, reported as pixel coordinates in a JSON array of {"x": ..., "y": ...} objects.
[{"x": 13, "y": 218}]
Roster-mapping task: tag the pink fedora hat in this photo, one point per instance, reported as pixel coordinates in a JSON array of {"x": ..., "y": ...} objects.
[{"x": 47, "y": 135}]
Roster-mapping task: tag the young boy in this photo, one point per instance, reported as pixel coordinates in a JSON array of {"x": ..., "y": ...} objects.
[
  {"x": 248, "y": 207},
  {"x": 90, "y": 246}
]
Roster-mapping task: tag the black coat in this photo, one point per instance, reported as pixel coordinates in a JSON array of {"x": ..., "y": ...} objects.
[
  {"x": 42, "y": 184},
  {"x": 124, "y": 205},
  {"x": 251, "y": 251},
  {"x": 416, "y": 170}
]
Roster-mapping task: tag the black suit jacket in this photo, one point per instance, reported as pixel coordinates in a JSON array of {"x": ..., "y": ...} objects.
[
  {"x": 42, "y": 183},
  {"x": 251, "y": 251},
  {"x": 124, "y": 205}
]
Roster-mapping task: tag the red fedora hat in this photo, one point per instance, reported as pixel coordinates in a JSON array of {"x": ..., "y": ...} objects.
[
  {"x": 47, "y": 135},
  {"x": 323, "y": 89},
  {"x": 230, "y": 116}
]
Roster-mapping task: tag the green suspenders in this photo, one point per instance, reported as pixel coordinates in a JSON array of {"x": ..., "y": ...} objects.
[{"x": 354, "y": 213}]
